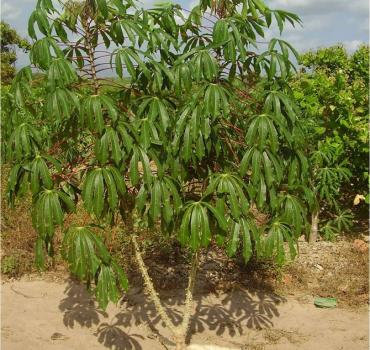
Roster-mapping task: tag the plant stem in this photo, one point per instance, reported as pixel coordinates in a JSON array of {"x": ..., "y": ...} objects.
[
  {"x": 189, "y": 294},
  {"x": 91, "y": 54},
  {"x": 314, "y": 227},
  {"x": 180, "y": 332},
  {"x": 150, "y": 288}
]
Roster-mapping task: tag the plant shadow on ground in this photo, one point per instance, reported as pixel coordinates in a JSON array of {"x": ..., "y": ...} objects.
[{"x": 221, "y": 313}]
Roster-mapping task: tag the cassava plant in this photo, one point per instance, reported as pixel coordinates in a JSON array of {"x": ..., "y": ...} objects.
[{"x": 175, "y": 141}]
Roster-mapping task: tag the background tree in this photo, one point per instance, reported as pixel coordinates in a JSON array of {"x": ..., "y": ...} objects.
[
  {"x": 10, "y": 41},
  {"x": 181, "y": 146},
  {"x": 331, "y": 90}
]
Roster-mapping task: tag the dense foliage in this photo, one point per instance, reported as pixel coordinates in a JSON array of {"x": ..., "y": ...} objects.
[
  {"x": 332, "y": 91},
  {"x": 177, "y": 142},
  {"x": 10, "y": 41}
]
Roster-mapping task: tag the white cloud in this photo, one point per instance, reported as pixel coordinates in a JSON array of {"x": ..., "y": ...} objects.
[
  {"x": 305, "y": 7},
  {"x": 9, "y": 12},
  {"x": 324, "y": 23},
  {"x": 352, "y": 45}
]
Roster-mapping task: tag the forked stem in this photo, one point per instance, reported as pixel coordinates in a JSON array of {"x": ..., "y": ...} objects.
[{"x": 179, "y": 333}]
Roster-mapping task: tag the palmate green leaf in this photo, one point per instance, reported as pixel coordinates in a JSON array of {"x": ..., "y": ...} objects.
[
  {"x": 161, "y": 77},
  {"x": 216, "y": 100},
  {"x": 241, "y": 233},
  {"x": 220, "y": 32},
  {"x": 329, "y": 231},
  {"x": 164, "y": 201},
  {"x": 44, "y": 51},
  {"x": 204, "y": 66},
  {"x": 329, "y": 180},
  {"x": 285, "y": 47},
  {"x": 18, "y": 183},
  {"x": 89, "y": 260},
  {"x": 80, "y": 251},
  {"x": 343, "y": 220},
  {"x": 274, "y": 242},
  {"x": 46, "y": 5},
  {"x": 125, "y": 131},
  {"x": 61, "y": 103},
  {"x": 262, "y": 132},
  {"x": 106, "y": 288},
  {"x": 139, "y": 156},
  {"x": 61, "y": 73},
  {"x": 159, "y": 39},
  {"x": 182, "y": 77},
  {"x": 233, "y": 189},
  {"x": 232, "y": 35},
  {"x": 94, "y": 109},
  {"x": 23, "y": 74},
  {"x": 261, "y": 163},
  {"x": 280, "y": 105},
  {"x": 102, "y": 189},
  {"x": 194, "y": 17},
  {"x": 20, "y": 87},
  {"x": 282, "y": 16},
  {"x": 48, "y": 211},
  {"x": 156, "y": 114},
  {"x": 195, "y": 229},
  {"x": 40, "y": 175},
  {"x": 39, "y": 17},
  {"x": 292, "y": 212},
  {"x": 275, "y": 65},
  {"x": 24, "y": 142},
  {"x": 193, "y": 130},
  {"x": 171, "y": 200},
  {"x": 108, "y": 147},
  {"x": 128, "y": 57},
  {"x": 265, "y": 171},
  {"x": 127, "y": 28},
  {"x": 21, "y": 92}
]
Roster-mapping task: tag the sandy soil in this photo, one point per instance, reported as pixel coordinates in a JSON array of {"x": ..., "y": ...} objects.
[{"x": 39, "y": 314}]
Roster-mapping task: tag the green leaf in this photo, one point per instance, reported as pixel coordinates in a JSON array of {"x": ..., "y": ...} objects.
[
  {"x": 40, "y": 253},
  {"x": 234, "y": 239},
  {"x": 103, "y": 7}
]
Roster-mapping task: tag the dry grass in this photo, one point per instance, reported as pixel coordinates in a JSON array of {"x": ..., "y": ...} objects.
[
  {"x": 17, "y": 234},
  {"x": 327, "y": 269},
  {"x": 273, "y": 336}
]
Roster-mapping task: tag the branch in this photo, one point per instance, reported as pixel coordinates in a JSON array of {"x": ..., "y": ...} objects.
[
  {"x": 150, "y": 288},
  {"x": 189, "y": 293}
]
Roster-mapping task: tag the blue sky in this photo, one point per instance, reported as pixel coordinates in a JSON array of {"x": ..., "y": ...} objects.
[{"x": 325, "y": 22}]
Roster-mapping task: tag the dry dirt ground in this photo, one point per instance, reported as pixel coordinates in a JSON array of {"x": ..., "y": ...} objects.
[
  {"x": 58, "y": 313},
  {"x": 235, "y": 307}
]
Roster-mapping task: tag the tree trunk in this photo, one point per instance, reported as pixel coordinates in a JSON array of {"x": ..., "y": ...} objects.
[
  {"x": 314, "y": 227},
  {"x": 180, "y": 332}
]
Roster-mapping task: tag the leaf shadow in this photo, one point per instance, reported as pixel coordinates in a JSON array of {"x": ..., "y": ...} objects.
[
  {"x": 218, "y": 314},
  {"x": 113, "y": 337},
  {"x": 79, "y": 307}
]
